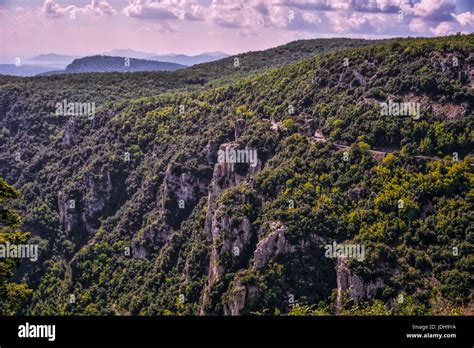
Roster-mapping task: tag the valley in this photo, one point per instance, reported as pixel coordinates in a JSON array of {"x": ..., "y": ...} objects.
[{"x": 161, "y": 226}]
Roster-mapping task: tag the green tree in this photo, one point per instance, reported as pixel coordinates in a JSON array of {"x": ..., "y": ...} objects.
[{"x": 12, "y": 295}]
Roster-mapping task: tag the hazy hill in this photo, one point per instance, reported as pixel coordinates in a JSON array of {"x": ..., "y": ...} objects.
[
  {"x": 52, "y": 58},
  {"x": 128, "y": 53},
  {"x": 43, "y": 63},
  {"x": 172, "y": 58},
  {"x": 117, "y": 64},
  {"x": 189, "y": 60},
  {"x": 23, "y": 70}
]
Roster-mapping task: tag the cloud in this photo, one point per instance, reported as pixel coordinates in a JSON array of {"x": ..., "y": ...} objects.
[
  {"x": 389, "y": 6},
  {"x": 418, "y": 25},
  {"x": 377, "y": 17},
  {"x": 444, "y": 28},
  {"x": 148, "y": 10},
  {"x": 382, "y": 6},
  {"x": 466, "y": 19},
  {"x": 262, "y": 8},
  {"x": 363, "y": 24},
  {"x": 434, "y": 10},
  {"x": 162, "y": 28},
  {"x": 249, "y": 17},
  {"x": 310, "y": 5},
  {"x": 5, "y": 15},
  {"x": 463, "y": 22},
  {"x": 97, "y": 8},
  {"x": 164, "y": 9},
  {"x": 51, "y": 9},
  {"x": 236, "y": 14},
  {"x": 249, "y": 14}
]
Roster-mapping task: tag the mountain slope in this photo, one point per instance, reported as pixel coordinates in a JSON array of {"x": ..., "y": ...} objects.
[{"x": 160, "y": 226}]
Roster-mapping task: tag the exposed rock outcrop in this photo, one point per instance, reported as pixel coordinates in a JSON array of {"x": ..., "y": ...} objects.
[
  {"x": 225, "y": 176},
  {"x": 352, "y": 285},
  {"x": 239, "y": 294},
  {"x": 80, "y": 211},
  {"x": 99, "y": 190},
  {"x": 68, "y": 212},
  {"x": 275, "y": 244},
  {"x": 180, "y": 192},
  {"x": 69, "y": 136},
  {"x": 271, "y": 246}
]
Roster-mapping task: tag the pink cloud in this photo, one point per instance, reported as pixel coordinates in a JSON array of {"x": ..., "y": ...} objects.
[
  {"x": 436, "y": 10},
  {"x": 444, "y": 28},
  {"x": 164, "y": 9},
  {"x": 232, "y": 25},
  {"x": 51, "y": 9},
  {"x": 466, "y": 19}
]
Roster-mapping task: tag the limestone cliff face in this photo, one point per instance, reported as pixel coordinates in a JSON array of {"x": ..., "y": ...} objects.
[
  {"x": 224, "y": 176},
  {"x": 238, "y": 297},
  {"x": 276, "y": 243},
  {"x": 99, "y": 191},
  {"x": 273, "y": 245},
  {"x": 69, "y": 136},
  {"x": 352, "y": 285},
  {"x": 180, "y": 192},
  {"x": 68, "y": 215},
  {"x": 80, "y": 212}
]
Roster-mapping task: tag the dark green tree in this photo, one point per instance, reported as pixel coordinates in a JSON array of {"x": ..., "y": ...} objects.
[{"x": 12, "y": 294}]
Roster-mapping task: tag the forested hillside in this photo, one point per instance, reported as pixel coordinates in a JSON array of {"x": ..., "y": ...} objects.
[{"x": 135, "y": 213}]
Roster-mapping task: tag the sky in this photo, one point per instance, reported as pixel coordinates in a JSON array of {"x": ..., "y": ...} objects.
[{"x": 84, "y": 27}]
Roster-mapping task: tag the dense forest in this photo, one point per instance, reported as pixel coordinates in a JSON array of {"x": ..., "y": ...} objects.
[{"x": 134, "y": 213}]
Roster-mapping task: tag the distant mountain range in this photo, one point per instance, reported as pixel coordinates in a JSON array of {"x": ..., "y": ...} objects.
[
  {"x": 172, "y": 58},
  {"x": 128, "y": 53},
  {"x": 52, "y": 59},
  {"x": 189, "y": 60},
  {"x": 48, "y": 64},
  {"x": 43, "y": 63}
]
